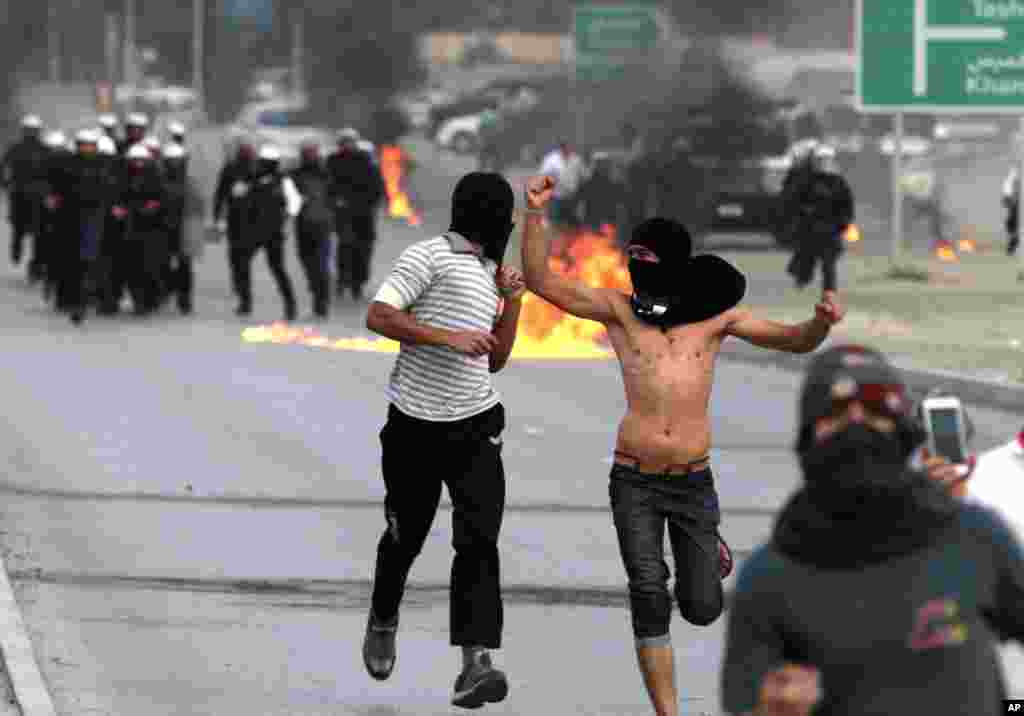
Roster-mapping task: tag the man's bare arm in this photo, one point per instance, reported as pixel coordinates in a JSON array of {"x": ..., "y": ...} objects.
[
  {"x": 575, "y": 297},
  {"x": 399, "y": 326},
  {"x": 791, "y": 338}
]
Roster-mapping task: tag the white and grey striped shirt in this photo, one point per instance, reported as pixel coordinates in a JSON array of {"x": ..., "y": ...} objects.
[{"x": 443, "y": 283}]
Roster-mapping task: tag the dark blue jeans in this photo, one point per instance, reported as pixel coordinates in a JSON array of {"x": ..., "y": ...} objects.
[{"x": 642, "y": 505}]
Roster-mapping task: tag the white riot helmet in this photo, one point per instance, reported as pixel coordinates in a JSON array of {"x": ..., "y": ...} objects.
[
  {"x": 31, "y": 122},
  {"x": 108, "y": 121},
  {"x": 139, "y": 153},
  {"x": 87, "y": 137},
  {"x": 176, "y": 129},
  {"x": 348, "y": 136},
  {"x": 174, "y": 151},
  {"x": 270, "y": 153},
  {"x": 106, "y": 146},
  {"x": 56, "y": 139},
  {"x": 137, "y": 119}
]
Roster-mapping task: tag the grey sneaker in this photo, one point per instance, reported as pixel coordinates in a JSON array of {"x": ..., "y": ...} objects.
[
  {"x": 379, "y": 647},
  {"x": 479, "y": 684}
]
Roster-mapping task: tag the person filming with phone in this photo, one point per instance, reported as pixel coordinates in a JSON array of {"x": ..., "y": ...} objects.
[
  {"x": 948, "y": 454},
  {"x": 878, "y": 592}
]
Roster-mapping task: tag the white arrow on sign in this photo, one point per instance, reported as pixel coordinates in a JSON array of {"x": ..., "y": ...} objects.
[{"x": 925, "y": 33}]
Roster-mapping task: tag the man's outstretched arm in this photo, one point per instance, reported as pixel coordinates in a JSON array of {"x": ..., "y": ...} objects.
[
  {"x": 798, "y": 338},
  {"x": 571, "y": 296}
]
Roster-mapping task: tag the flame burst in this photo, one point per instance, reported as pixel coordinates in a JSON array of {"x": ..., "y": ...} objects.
[
  {"x": 393, "y": 163},
  {"x": 594, "y": 259},
  {"x": 852, "y": 234},
  {"x": 545, "y": 332},
  {"x": 967, "y": 246},
  {"x": 944, "y": 251}
]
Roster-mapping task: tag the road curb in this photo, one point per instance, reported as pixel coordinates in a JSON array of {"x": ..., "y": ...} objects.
[
  {"x": 19, "y": 657},
  {"x": 988, "y": 393}
]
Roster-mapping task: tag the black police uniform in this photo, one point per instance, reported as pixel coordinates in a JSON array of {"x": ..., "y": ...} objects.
[
  {"x": 178, "y": 273},
  {"x": 263, "y": 216},
  {"x": 26, "y": 166},
  {"x": 313, "y": 231},
  {"x": 356, "y": 189}
]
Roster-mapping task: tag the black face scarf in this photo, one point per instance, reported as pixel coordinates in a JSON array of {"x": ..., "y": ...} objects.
[
  {"x": 482, "y": 206},
  {"x": 679, "y": 288},
  {"x": 860, "y": 504}
]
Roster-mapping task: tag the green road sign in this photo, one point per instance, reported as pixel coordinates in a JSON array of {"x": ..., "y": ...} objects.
[
  {"x": 607, "y": 37},
  {"x": 940, "y": 56}
]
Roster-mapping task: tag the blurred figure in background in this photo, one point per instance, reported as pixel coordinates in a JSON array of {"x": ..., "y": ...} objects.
[
  {"x": 1011, "y": 202},
  {"x": 234, "y": 184},
  {"x": 178, "y": 275},
  {"x": 135, "y": 126},
  {"x": 108, "y": 122},
  {"x": 272, "y": 204},
  {"x": 24, "y": 167},
  {"x": 818, "y": 204},
  {"x": 313, "y": 226},
  {"x": 490, "y": 126},
  {"x": 50, "y": 236},
  {"x": 925, "y": 198},
  {"x": 356, "y": 191},
  {"x": 80, "y": 189},
  {"x": 565, "y": 166},
  {"x": 141, "y": 207}
]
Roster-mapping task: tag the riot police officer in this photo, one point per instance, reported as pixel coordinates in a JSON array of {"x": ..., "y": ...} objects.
[
  {"x": 356, "y": 190},
  {"x": 80, "y": 188},
  {"x": 178, "y": 270},
  {"x": 272, "y": 203},
  {"x": 229, "y": 201},
  {"x": 313, "y": 225},
  {"x": 819, "y": 202},
  {"x": 24, "y": 171},
  {"x": 141, "y": 206}
]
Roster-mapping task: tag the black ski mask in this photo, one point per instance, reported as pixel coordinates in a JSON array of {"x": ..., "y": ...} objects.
[
  {"x": 860, "y": 503},
  {"x": 679, "y": 287},
  {"x": 482, "y": 205}
]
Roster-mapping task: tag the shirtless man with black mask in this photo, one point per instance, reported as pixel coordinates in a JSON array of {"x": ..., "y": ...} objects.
[{"x": 667, "y": 335}]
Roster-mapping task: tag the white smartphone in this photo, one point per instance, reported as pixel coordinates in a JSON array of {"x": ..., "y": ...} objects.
[{"x": 946, "y": 428}]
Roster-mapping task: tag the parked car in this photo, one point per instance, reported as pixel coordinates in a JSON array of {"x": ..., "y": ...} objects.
[
  {"x": 418, "y": 104},
  {"x": 508, "y": 95},
  {"x": 286, "y": 124},
  {"x": 460, "y": 134}
]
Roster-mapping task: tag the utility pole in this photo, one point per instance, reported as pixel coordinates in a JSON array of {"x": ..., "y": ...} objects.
[
  {"x": 298, "y": 54},
  {"x": 130, "y": 58},
  {"x": 198, "y": 49},
  {"x": 53, "y": 41},
  {"x": 112, "y": 41}
]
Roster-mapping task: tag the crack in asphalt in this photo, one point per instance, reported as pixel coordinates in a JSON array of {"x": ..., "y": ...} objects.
[
  {"x": 271, "y": 502},
  {"x": 353, "y": 592}
]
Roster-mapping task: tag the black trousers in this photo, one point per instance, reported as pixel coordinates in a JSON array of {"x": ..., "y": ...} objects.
[
  {"x": 240, "y": 256},
  {"x": 470, "y": 452},
  {"x": 145, "y": 255},
  {"x": 314, "y": 248},
  {"x": 179, "y": 276},
  {"x": 357, "y": 233},
  {"x": 26, "y": 216},
  {"x": 642, "y": 505}
]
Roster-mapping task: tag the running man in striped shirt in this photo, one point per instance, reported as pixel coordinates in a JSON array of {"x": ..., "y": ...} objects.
[{"x": 455, "y": 311}]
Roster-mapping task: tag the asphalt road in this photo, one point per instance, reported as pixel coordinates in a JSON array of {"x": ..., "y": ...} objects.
[{"x": 190, "y": 520}]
